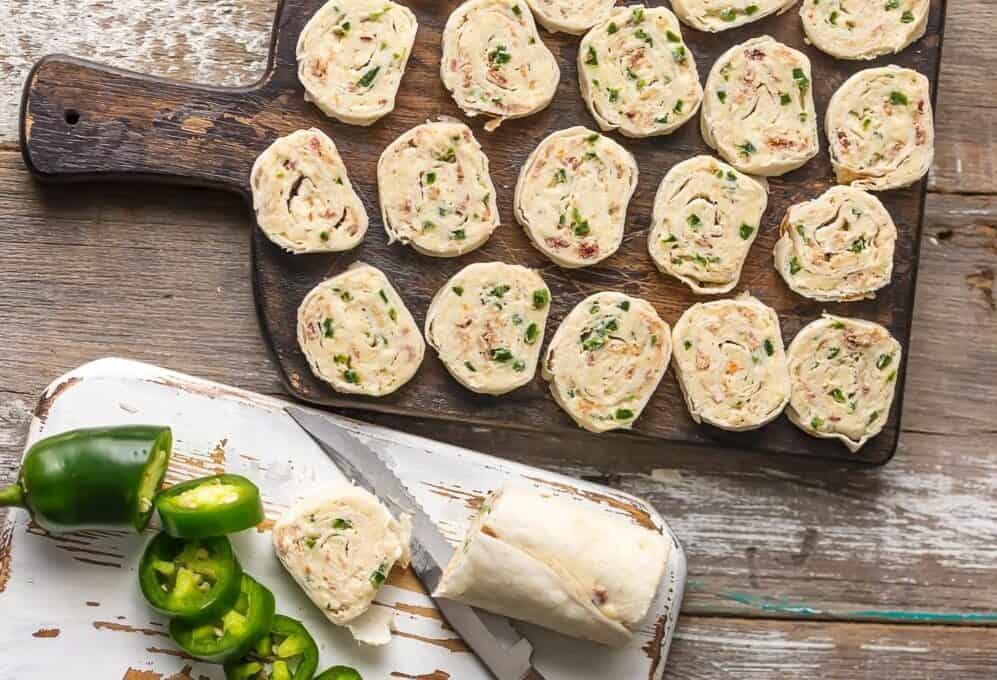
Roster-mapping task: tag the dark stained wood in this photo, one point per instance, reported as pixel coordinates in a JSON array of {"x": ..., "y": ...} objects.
[{"x": 132, "y": 127}]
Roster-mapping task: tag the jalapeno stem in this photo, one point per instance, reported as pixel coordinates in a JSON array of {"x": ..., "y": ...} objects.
[{"x": 12, "y": 495}]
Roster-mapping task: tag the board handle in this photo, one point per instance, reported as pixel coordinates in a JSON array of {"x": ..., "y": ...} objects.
[{"x": 81, "y": 121}]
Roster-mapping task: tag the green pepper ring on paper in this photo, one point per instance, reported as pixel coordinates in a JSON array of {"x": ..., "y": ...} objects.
[
  {"x": 95, "y": 478},
  {"x": 233, "y": 633},
  {"x": 210, "y": 506},
  {"x": 287, "y": 652},
  {"x": 194, "y": 580}
]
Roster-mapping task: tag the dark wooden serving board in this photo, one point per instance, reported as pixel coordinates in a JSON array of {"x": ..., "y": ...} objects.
[{"x": 85, "y": 122}]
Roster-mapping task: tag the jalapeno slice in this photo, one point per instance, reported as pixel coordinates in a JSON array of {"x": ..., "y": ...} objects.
[
  {"x": 288, "y": 652},
  {"x": 229, "y": 635},
  {"x": 210, "y": 506},
  {"x": 193, "y": 580},
  {"x": 339, "y": 673}
]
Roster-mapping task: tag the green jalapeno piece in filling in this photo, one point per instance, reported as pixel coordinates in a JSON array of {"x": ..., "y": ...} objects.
[
  {"x": 194, "y": 580},
  {"x": 287, "y": 652},
  {"x": 228, "y": 636},
  {"x": 339, "y": 673},
  {"x": 210, "y": 506},
  {"x": 92, "y": 479}
]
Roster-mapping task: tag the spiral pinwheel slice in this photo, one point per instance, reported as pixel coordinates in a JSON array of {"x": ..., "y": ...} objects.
[
  {"x": 719, "y": 15},
  {"x": 435, "y": 190},
  {"x": 864, "y": 29},
  {"x": 303, "y": 198},
  {"x": 838, "y": 247},
  {"x": 352, "y": 55},
  {"x": 881, "y": 129},
  {"x": 637, "y": 75},
  {"x": 357, "y": 334},
  {"x": 731, "y": 364},
  {"x": 487, "y": 324},
  {"x": 570, "y": 16},
  {"x": 706, "y": 216},
  {"x": 758, "y": 110},
  {"x": 844, "y": 376},
  {"x": 338, "y": 545},
  {"x": 606, "y": 360},
  {"x": 572, "y": 196},
  {"x": 494, "y": 63}
]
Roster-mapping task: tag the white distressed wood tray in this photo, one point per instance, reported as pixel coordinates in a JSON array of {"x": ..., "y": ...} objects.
[{"x": 72, "y": 602}]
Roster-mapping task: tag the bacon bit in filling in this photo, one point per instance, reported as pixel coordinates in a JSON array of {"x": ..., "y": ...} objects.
[{"x": 588, "y": 249}]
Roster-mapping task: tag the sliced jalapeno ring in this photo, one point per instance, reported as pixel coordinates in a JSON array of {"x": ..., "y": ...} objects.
[
  {"x": 339, "y": 673},
  {"x": 194, "y": 580},
  {"x": 210, "y": 506},
  {"x": 288, "y": 652},
  {"x": 229, "y": 635}
]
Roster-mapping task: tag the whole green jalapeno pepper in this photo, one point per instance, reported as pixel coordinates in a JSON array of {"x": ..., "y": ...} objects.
[{"x": 95, "y": 478}]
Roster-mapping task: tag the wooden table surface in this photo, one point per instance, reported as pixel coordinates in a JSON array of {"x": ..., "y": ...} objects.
[{"x": 797, "y": 569}]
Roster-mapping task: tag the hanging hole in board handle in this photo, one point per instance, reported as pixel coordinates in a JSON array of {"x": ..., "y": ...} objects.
[{"x": 72, "y": 116}]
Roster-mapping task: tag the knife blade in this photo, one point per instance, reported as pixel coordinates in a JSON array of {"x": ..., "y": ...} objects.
[{"x": 499, "y": 646}]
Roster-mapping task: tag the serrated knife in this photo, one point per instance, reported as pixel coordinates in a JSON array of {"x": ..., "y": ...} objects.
[{"x": 499, "y": 646}]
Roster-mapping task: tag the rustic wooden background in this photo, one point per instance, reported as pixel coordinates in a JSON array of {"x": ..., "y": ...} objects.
[{"x": 798, "y": 569}]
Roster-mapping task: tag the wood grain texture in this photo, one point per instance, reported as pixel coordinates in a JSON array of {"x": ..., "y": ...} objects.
[
  {"x": 224, "y": 42},
  {"x": 164, "y": 277},
  {"x": 717, "y": 649},
  {"x": 82, "y": 122}
]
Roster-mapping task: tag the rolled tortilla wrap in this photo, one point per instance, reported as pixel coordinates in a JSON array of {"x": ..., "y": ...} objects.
[
  {"x": 720, "y": 15},
  {"x": 339, "y": 546},
  {"x": 435, "y": 191},
  {"x": 838, "y": 247},
  {"x": 559, "y": 564},
  {"x": 487, "y": 324},
  {"x": 864, "y": 29},
  {"x": 731, "y": 363},
  {"x": 881, "y": 129},
  {"x": 494, "y": 62},
  {"x": 357, "y": 334},
  {"x": 637, "y": 75},
  {"x": 758, "y": 108},
  {"x": 606, "y": 360},
  {"x": 570, "y": 16},
  {"x": 706, "y": 216},
  {"x": 352, "y": 55},
  {"x": 572, "y": 196},
  {"x": 303, "y": 198},
  {"x": 844, "y": 376}
]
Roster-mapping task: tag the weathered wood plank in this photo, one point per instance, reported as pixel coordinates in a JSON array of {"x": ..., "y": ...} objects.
[
  {"x": 966, "y": 146},
  {"x": 164, "y": 277},
  {"x": 732, "y": 649},
  {"x": 224, "y": 43}
]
